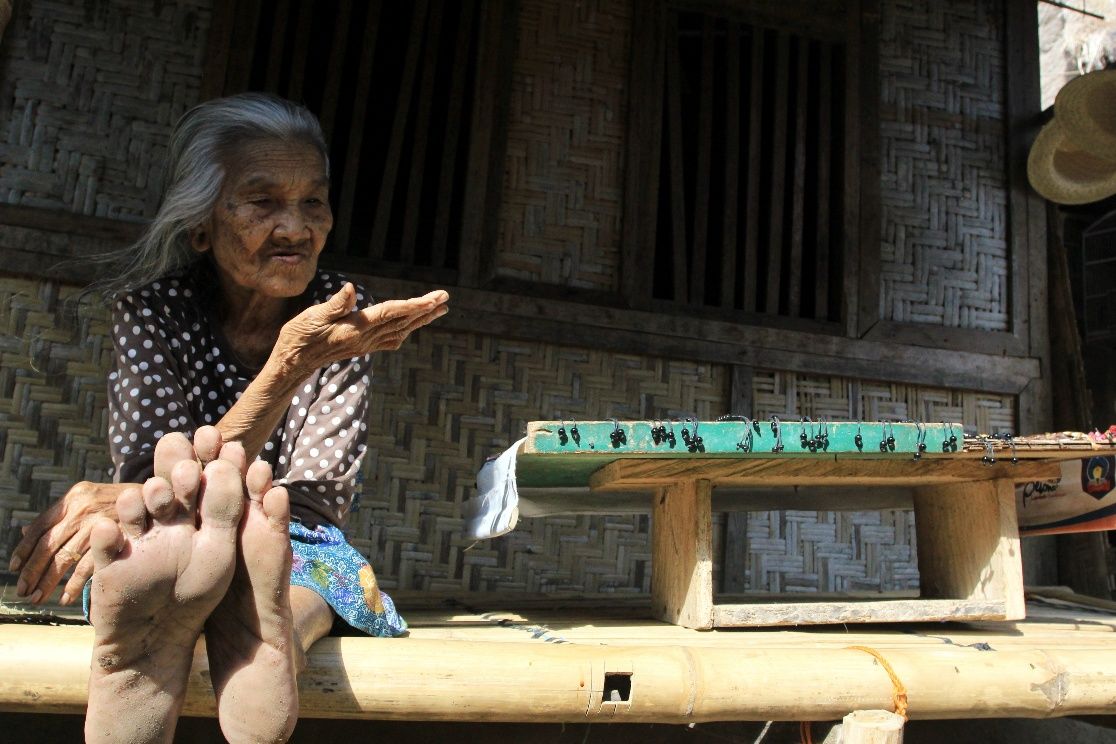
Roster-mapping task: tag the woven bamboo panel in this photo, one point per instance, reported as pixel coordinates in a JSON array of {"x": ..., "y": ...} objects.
[
  {"x": 805, "y": 551},
  {"x": 91, "y": 91},
  {"x": 446, "y": 401},
  {"x": 559, "y": 219},
  {"x": 53, "y": 360},
  {"x": 944, "y": 257}
]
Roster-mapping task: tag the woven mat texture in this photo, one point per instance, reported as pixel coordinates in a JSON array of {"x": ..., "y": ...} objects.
[{"x": 944, "y": 231}]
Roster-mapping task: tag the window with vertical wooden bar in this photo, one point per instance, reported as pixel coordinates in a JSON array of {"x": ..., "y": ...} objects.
[
  {"x": 746, "y": 206},
  {"x": 400, "y": 94}
]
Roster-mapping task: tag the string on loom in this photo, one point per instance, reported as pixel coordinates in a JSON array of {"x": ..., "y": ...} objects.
[{"x": 899, "y": 697}]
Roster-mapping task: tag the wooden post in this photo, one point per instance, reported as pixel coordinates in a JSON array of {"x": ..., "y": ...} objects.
[
  {"x": 968, "y": 543},
  {"x": 682, "y": 555},
  {"x": 872, "y": 727}
]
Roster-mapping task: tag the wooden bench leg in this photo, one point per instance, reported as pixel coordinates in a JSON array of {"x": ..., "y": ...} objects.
[
  {"x": 682, "y": 555},
  {"x": 968, "y": 544}
]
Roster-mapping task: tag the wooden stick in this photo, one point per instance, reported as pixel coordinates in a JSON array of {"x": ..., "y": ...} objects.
[{"x": 872, "y": 727}]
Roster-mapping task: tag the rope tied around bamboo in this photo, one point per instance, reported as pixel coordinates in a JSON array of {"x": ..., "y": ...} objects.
[{"x": 899, "y": 698}]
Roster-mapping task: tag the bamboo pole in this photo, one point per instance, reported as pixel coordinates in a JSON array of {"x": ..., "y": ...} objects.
[
  {"x": 46, "y": 670},
  {"x": 872, "y": 727}
]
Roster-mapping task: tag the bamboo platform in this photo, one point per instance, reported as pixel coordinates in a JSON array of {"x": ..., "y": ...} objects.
[{"x": 505, "y": 659}]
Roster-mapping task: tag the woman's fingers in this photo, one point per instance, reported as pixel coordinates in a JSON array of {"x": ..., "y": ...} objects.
[
  {"x": 76, "y": 584},
  {"x": 32, "y": 533},
  {"x": 63, "y": 559},
  {"x": 44, "y": 551}
]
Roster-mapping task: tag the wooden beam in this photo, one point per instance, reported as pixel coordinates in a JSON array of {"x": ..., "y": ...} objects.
[
  {"x": 798, "y": 179},
  {"x": 399, "y": 128},
  {"x": 825, "y": 96},
  {"x": 413, "y": 210},
  {"x": 731, "y": 207},
  {"x": 783, "y": 613},
  {"x": 861, "y": 237},
  {"x": 777, "y": 185},
  {"x": 679, "y": 246},
  {"x": 750, "y": 297},
  {"x": 33, "y": 241},
  {"x": 496, "y": 44},
  {"x": 238, "y": 70},
  {"x": 217, "y": 49},
  {"x": 791, "y": 470},
  {"x": 331, "y": 94},
  {"x": 703, "y": 168},
  {"x": 453, "y": 127},
  {"x": 644, "y": 152}
]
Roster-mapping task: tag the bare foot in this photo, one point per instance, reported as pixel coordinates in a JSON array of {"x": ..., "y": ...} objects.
[
  {"x": 158, "y": 576},
  {"x": 250, "y": 636}
]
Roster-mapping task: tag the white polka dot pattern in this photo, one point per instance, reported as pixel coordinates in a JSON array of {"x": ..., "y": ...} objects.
[{"x": 174, "y": 372}]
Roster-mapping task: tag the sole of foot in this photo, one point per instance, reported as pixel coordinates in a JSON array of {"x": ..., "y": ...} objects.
[
  {"x": 250, "y": 635},
  {"x": 158, "y": 575}
]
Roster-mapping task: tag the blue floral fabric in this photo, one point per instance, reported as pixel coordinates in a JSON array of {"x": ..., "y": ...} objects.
[{"x": 324, "y": 562}]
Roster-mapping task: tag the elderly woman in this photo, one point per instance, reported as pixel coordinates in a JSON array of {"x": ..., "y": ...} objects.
[{"x": 226, "y": 334}]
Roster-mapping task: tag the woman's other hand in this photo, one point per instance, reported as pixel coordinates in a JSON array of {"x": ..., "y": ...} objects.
[
  {"x": 331, "y": 331},
  {"x": 59, "y": 539}
]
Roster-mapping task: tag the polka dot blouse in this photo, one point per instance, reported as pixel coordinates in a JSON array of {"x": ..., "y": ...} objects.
[{"x": 175, "y": 371}]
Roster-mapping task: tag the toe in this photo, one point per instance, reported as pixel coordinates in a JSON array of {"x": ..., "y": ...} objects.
[
  {"x": 185, "y": 481},
  {"x": 105, "y": 542},
  {"x": 131, "y": 512},
  {"x": 277, "y": 507},
  {"x": 158, "y": 497},
  {"x": 258, "y": 480},
  {"x": 223, "y": 497},
  {"x": 170, "y": 450},
  {"x": 233, "y": 452},
  {"x": 207, "y": 443}
]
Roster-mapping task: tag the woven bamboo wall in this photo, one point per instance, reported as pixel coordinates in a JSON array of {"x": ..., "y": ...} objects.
[
  {"x": 944, "y": 257},
  {"x": 797, "y": 551},
  {"x": 88, "y": 93},
  {"x": 559, "y": 221},
  {"x": 88, "y": 101},
  {"x": 440, "y": 406}
]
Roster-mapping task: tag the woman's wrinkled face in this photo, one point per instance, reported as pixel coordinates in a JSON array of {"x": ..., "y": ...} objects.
[{"x": 270, "y": 221}]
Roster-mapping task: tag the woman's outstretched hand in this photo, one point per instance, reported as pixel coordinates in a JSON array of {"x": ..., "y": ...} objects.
[{"x": 331, "y": 331}]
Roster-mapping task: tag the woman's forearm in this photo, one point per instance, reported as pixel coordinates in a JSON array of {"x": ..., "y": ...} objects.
[{"x": 253, "y": 418}]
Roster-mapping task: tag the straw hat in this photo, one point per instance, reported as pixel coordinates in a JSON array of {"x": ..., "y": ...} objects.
[{"x": 1073, "y": 160}]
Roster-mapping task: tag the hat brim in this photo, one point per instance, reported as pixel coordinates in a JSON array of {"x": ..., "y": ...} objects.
[
  {"x": 1085, "y": 108},
  {"x": 1066, "y": 174}
]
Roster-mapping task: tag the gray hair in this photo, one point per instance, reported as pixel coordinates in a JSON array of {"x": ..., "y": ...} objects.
[{"x": 202, "y": 142}]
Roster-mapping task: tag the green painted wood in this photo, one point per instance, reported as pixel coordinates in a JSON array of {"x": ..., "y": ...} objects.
[
  {"x": 557, "y": 456},
  {"x": 737, "y": 438}
]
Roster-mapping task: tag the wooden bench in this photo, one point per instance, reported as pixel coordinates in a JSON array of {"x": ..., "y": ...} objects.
[{"x": 969, "y": 558}]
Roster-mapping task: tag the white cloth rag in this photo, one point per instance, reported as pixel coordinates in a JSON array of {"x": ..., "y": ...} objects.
[{"x": 494, "y": 511}]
